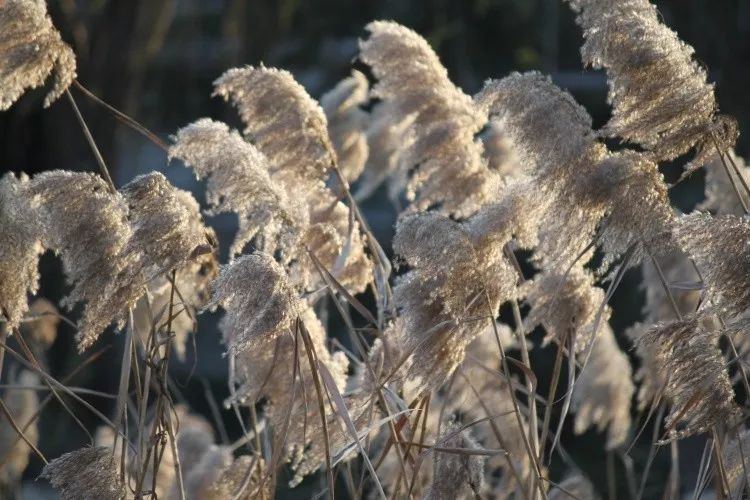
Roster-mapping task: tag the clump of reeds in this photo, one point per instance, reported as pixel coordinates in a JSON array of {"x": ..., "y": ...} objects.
[{"x": 434, "y": 396}]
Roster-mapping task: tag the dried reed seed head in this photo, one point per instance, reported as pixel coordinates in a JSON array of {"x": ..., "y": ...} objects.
[
  {"x": 575, "y": 487},
  {"x": 89, "y": 473},
  {"x": 659, "y": 93},
  {"x": 290, "y": 128},
  {"x": 550, "y": 131},
  {"x": 30, "y": 50},
  {"x": 234, "y": 477},
  {"x": 719, "y": 248},
  {"x": 721, "y": 197},
  {"x": 552, "y": 135},
  {"x": 19, "y": 249},
  {"x": 260, "y": 303},
  {"x": 697, "y": 386},
  {"x": 648, "y": 375},
  {"x": 166, "y": 224},
  {"x": 736, "y": 466},
  {"x": 444, "y": 298},
  {"x": 284, "y": 122},
  {"x": 566, "y": 304},
  {"x": 444, "y": 121},
  {"x": 456, "y": 473},
  {"x": 41, "y": 328},
  {"x": 87, "y": 224},
  {"x": 603, "y": 392},
  {"x": 518, "y": 215},
  {"x": 239, "y": 182},
  {"x": 347, "y": 123},
  {"x": 22, "y": 403},
  {"x": 638, "y": 210},
  {"x": 335, "y": 238}
]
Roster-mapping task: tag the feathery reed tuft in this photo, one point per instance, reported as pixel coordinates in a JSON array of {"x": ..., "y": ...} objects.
[
  {"x": 260, "y": 302},
  {"x": 459, "y": 470},
  {"x": 290, "y": 129},
  {"x": 450, "y": 170},
  {"x": 566, "y": 305},
  {"x": 283, "y": 121},
  {"x": 30, "y": 50},
  {"x": 239, "y": 182},
  {"x": 659, "y": 93},
  {"x": 20, "y": 248},
  {"x": 86, "y": 474},
  {"x": 688, "y": 359},
  {"x": 167, "y": 228},
  {"x": 443, "y": 300},
  {"x": 719, "y": 247},
  {"x": 88, "y": 226}
]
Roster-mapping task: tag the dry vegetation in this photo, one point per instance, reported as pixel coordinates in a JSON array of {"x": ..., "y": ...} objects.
[{"x": 425, "y": 402}]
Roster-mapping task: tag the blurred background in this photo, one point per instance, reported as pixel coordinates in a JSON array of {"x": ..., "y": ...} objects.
[{"x": 156, "y": 59}]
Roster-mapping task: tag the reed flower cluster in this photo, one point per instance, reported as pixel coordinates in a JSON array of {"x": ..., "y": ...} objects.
[{"x": 521, "y": 222}]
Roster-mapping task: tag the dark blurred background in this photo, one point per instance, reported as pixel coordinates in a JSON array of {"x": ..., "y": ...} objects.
[{"x": 156, "y": 59}]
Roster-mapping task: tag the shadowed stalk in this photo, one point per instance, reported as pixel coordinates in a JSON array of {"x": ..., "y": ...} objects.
[
  {"x": 311, "y": 357},
  {"x": 90, "y": 139}
]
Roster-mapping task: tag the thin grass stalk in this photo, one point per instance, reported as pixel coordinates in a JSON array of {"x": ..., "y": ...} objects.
[
  {"x": 652, "y": 450},
  {"x": 130, "y": 122},
  {"x": 395, "y": 433},
  {"x": 4, "y": 458},
  {"x": 312, "y": 359},
  {"x": 722, "y": 485},
  {"x": 20, "y": 433},
  {"x": 611, "y": 476},
  {"x": 521, "y": 335},
  {"x": 419, "y": 415},
  {"x": 703, "y": 467},
  {"x": 3, "y": 339},
  {"x": 517, "y": 411},
  {"x": 674, "y": 471},
  {"x": 92, "y": 144},
  {"x": 30, "y": 356},
  {"x": 122, "y": 393}
]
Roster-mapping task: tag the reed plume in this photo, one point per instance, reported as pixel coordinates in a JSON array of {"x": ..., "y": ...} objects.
[
  {"x": 31, "y": 49},
  {"x": 717, "y": 245},
  {"x": 20, "y": 248},
  {"x": 659, "y": 93},
  {"x": 440, "y": 146},
  {"x": 89, "y": 473},
  {"x": 552, "y": 136},
  {"x": 239, "y": 182},
  {"x": 687, "y": 358},
  {"x": 87, "y": 224},
  {"x": 458, "y": 471},
  {"x": 290, "y": 129}
]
